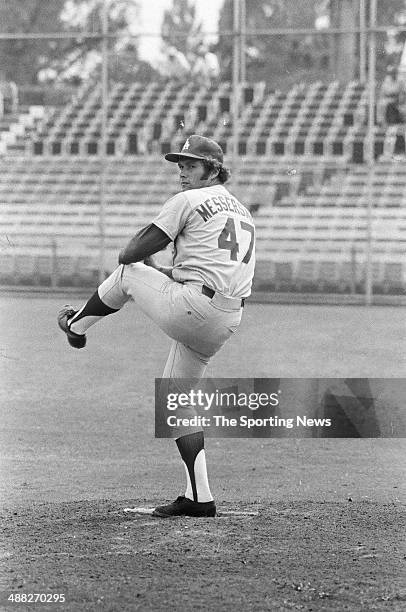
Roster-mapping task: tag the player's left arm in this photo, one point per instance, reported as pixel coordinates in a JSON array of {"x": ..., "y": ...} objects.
[{"x": 145, "y": 243}]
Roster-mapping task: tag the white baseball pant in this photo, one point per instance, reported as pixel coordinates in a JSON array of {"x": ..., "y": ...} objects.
[{"x": 197, "y": 324}]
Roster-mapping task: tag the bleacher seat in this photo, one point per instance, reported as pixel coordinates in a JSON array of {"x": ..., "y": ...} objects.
[
  {"x": 307, "y": 119},
  {"x": 348, "y": 278},
  {"x": 306, "y": 276},
  {"x": 300, "y": 170},
  {"x": 7, "y": 268},
  {"x": 283, "y": 276},
  {"x": 66, "y": 269},
  {"x": 24, "y": 269},
  {"x": 45, "y": 270},
  {"x": 393, "y": 277},
  {"x": 327, "y": 277},
  {"x": 87, "y": 270}
]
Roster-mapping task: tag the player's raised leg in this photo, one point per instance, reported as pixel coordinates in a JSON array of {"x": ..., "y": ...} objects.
[
  {"x": 109, "y": 298},
  {"x": 76, "y": 323}
]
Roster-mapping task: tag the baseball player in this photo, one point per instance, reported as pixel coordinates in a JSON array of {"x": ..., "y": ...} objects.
[{"x": 197, "y": 302}]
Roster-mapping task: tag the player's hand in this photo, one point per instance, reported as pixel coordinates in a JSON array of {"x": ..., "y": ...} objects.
[
  {"x": 151, "y": 262},
  {"x": 148, "y": 261}
]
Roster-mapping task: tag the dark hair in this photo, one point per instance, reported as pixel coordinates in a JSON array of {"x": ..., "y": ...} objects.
[{"x": 213, "y": 165}]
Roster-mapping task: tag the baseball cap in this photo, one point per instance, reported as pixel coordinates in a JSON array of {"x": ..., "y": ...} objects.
[{"x": 197, "y": 147}]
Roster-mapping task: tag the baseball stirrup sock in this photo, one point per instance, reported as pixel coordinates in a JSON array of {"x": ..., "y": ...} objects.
[
  {"x": 191, "y": 448},
  {"x": 89, "y": 314}
]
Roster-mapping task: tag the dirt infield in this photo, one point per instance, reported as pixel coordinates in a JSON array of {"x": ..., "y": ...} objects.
[
  {"x": 293, "y": 556},
  {"x": 77, "y": 447}
]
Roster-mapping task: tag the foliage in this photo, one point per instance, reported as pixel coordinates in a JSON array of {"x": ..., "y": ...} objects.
[
  {"x": 180, "y": 28},
  {"x": 62, "y": 59},
  {"x": 283, "y": 60},
  {"x": 269, "y": 57},
  {"x": 83, "y": 55},
  {"x": 21, "y": 59}
]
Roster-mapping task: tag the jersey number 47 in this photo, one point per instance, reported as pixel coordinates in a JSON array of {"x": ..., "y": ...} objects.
[{"x": 228, "y": 239}]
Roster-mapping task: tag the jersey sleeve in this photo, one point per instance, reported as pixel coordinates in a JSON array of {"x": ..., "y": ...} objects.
[
  {"x": 146, "y": 242},
  {"x": 173, "y": 216}
]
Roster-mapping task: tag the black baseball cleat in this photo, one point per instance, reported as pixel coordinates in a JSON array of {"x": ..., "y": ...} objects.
[
  {"x": 76, "y": 340},
  {"x": 182, "y": 506}
]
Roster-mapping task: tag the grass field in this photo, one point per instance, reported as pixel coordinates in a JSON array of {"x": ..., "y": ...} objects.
[{"x": 77, "y": 446}]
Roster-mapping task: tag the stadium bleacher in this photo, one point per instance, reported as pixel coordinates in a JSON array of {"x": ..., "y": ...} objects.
[{"x": 301, "y": 171}]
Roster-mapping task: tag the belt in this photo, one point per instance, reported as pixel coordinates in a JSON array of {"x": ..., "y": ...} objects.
[{"x": 211, "y": 293}]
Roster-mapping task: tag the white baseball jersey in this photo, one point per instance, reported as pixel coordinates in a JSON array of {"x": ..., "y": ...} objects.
[{"x": 214, "y": 238}]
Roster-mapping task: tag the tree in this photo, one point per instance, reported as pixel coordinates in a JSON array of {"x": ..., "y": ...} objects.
[
  {"x": 180, "y": 28},
  {"x": 21, "y": 59},
  {"x": 345, "y": 47},
  {"x": 270, "y": 58},
  {"x": 83, "y": 56},
  {"x": 25, "y": 59},
  {"x": 284, "y": 60},
  {"x": 389, "y": 13}
]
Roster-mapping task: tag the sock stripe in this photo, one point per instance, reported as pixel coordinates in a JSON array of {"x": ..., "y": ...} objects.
[
  {"x": 94, "y": 307},
  {"x": 189, "y": 447}
]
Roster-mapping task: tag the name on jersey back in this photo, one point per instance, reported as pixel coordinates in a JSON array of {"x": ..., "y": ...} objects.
[{"x": 216, "y": 204}]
